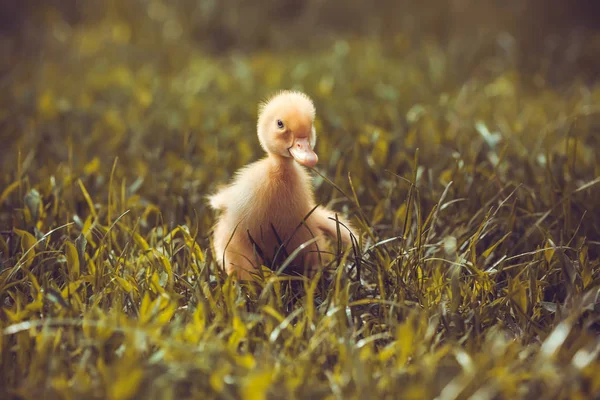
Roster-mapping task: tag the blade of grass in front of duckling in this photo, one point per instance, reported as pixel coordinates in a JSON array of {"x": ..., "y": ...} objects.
[
  {"x": 280, "y": 246},
  {"x": 256, "y": 247},
  {"x": 338, "y": 234},
  {"x": 351, "y": 199},
  {"x": 303, "y": 222},
  {"x": 224, "y": 251},
  {"x": 357, "y": 257},
  {"x": 295, "y": 254}
]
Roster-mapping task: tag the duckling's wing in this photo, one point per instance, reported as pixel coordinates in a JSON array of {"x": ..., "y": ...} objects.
[
  {"x": 218, "y": 201},
  {"x": 325, "y": 220}
]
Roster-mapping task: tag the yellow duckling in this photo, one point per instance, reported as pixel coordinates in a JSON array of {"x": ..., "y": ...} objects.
[{"x": 262, "y": 209}]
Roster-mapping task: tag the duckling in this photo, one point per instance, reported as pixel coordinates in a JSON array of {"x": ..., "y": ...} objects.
[{"x": 261, "y": 211}]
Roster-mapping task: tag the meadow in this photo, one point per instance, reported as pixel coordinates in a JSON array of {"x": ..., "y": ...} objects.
[{"x": 463, "y": 146}]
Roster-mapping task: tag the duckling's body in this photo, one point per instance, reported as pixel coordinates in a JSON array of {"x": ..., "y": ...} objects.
[{"x": 267, "y": 201}]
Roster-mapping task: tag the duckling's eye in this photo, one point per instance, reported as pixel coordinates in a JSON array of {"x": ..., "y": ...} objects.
[{"x": 280, "y": 124}]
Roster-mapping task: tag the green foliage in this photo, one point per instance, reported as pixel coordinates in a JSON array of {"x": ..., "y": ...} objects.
[{"x": 474, "y": 184}]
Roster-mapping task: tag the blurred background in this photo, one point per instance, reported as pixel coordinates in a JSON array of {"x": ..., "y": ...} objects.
[
  {"x": 171, "y": 87},
  {"x": 537, "y": 26}
]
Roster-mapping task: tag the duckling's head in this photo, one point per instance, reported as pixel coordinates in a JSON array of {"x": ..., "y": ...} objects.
[{"x": 286, "y": 127}]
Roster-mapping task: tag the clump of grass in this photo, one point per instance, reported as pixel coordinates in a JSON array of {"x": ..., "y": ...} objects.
[{"x": 477, "y": 270}]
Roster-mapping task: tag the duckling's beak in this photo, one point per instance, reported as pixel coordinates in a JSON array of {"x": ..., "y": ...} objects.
[{"x": 303, "y": 152}]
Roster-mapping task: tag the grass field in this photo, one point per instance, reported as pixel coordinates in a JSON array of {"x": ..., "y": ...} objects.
[{"x": 466, "y": 153}]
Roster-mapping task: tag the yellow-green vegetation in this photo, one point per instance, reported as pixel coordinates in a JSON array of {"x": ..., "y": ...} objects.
[{"x": 469, "y": 163}]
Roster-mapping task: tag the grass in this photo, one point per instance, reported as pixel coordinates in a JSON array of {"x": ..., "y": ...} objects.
[{"x": 473, "y": 180}]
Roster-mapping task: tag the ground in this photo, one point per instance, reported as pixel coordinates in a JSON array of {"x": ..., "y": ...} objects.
[{"x": 463, "y": 147}]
